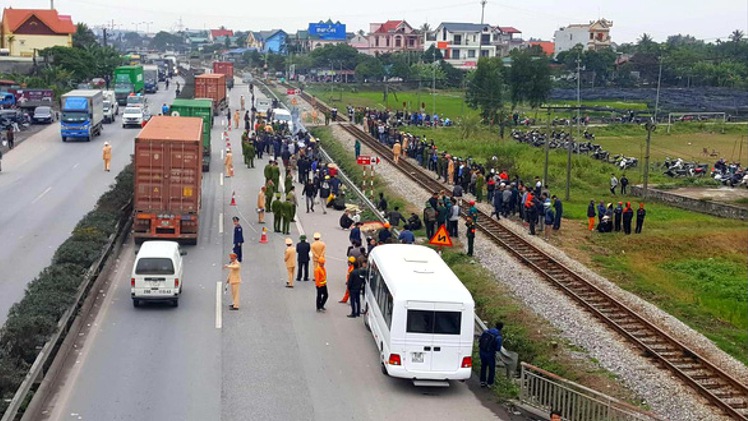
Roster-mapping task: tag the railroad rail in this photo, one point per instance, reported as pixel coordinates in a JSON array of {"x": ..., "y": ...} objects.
[{"x": 718, "y": 387}]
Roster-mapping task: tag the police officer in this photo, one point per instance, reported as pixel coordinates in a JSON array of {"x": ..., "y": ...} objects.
[
  {"x": 277, "y": 208},
  {"x": 302, "y": 257},
  {"x": 238, "y": 239}
]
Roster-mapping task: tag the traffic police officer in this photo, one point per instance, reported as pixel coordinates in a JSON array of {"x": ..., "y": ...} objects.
[{"x": 238, "y": 239}]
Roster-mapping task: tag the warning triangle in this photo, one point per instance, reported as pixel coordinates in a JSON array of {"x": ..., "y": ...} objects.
[{"x": 441, "y": 238}]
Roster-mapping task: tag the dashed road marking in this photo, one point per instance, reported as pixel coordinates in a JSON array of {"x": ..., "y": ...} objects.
[
  {"x": 41, "y": 195},
  {"x": 219, "y": 306}
]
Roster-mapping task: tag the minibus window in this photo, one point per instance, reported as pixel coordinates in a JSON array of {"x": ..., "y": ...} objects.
[
  {"x": 434, "y": 322},
  {"x": 154, "y": 266}
]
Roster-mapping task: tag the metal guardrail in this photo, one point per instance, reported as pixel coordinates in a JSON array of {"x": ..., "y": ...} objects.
[
  {"x": 51, "y": 347},
  {"x": 546, "y": 391}
]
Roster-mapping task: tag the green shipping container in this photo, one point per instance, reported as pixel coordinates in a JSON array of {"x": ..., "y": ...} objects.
[{"x": 202, "y": 108}]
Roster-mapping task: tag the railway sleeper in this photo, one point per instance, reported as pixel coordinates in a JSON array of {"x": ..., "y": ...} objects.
[
  {"x": 712, "y": 383},
  {"x": 724, "y": 394},
  {"x": 684, "y": 366}
]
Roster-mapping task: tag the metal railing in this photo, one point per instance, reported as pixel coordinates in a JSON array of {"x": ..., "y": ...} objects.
[{"x": 546, "y": 391}]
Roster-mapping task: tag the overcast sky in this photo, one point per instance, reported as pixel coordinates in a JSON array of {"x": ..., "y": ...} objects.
[{"x": 706, "y": 20}]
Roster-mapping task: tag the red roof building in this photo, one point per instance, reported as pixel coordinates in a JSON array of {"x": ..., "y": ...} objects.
[
  {"x": 548, "y": 47},
  {"x": 392, "y": 36},
  {"x": 220, "y": 34},
  {"x": 25, "y": 30}
]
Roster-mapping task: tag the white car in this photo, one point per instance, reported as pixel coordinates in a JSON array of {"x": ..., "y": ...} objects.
[
  {"x": 281, "y": 115},
  {"x": 157, "y": 273},
  {"x": 134, "y": 116}
]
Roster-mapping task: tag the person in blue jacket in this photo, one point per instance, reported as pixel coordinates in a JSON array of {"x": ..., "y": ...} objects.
[{"x": 489, "y": 344}]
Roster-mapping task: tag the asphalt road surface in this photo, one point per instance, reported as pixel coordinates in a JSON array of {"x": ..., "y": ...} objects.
[
  {"x": 46, "y": 186},
  {"x": 274, "y": 359}
]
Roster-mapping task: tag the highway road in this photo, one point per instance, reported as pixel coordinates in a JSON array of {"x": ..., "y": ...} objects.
[
  {"x": 46, "y": 186},
  {"x": 274, "y": 359}
]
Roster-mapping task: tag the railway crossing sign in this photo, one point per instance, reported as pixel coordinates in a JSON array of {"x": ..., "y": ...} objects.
[
  {"x": 441, "y": 238},
  {"x": 363, "y": 160}
]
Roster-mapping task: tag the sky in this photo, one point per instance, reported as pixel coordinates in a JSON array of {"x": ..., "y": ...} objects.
[{"x": 707, "y": 20}]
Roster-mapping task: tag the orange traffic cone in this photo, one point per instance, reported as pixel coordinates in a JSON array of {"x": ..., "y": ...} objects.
[
  {"x": 264, "y": 236},
  {"x": 233, "y": 199}
]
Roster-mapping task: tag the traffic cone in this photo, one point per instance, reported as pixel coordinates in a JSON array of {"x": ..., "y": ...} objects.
[
  {"x": 264, "y": 236},
  {"x": 233, "y": 199}
]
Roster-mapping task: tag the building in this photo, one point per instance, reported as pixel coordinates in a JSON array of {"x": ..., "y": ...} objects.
[
  {"x": 359, "y": 42},
  {"x": 592, "y": 36},
  {"x": 548, "y": 47},
  {"x": 393, "y": 36},
  {"x": 272, "y": 41},
  {"x": 462, "y": 44},
  {"x": 506, "y": 39},
  {"x": 219, "y": 35},
  {"x": 26, "y": 30}
]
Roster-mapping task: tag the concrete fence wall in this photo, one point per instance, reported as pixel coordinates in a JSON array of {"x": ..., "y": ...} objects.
[{"x": 722, "y": 210}]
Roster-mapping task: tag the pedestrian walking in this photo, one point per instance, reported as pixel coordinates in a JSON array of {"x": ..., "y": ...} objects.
[
  {"x": 548, "y": 217},
  {"x": 470, "y": 234},
  {"x": 429, "y": 219},
  {"x": 261, "y": 205},
  {"x": 324, "y": 193},
  {"x": 10, "y": 137},
  {"x": 302, "y": 259},
  {"x": 591, "y": 215},
  {"x": 238, "y": 239},
  {"x": 234, "y": 280},
  {"x": 320, "y": 281},
  {"x": 289, "y": 258},
  {"x": 318, "y": 250},
  {"x": 309, "y": 193},
  {"x": 641, "y": 213},
  {"x": 396, "y": 152},
  {"x": 613, "y": 184},
  {"x": 228, "y": 162},
  {"x": 454, "y": 219},
  {"x": 357, "y": 148},
  {"x": 355, "y": 286},
  {"x": 488, "y": 345},
  {"x": 106, "y": 154}
]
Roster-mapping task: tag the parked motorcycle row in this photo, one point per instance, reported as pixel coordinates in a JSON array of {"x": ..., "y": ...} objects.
[{"x": 563, "y": 140}]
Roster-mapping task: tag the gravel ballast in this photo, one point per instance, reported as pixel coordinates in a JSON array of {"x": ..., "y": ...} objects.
[{"x": 658, "y": 388}]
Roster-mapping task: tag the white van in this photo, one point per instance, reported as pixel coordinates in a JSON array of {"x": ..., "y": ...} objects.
[
  {"x": 420, "y": 315},
  {"x": 157, "y": 273},
  {"x": 282, "y": 115}
]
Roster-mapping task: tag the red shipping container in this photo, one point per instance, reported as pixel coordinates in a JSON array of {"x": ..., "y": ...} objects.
[
  {"x": 168, "y": 178},
  {"x": 224, "y": 67},
  {"x": 212, "y": 86}
]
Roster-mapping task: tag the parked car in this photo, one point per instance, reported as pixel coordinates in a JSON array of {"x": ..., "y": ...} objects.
[{"x": 43, "y": 115}]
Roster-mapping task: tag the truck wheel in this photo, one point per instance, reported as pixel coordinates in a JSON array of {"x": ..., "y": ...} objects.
[{"x": 64, "y": 139}]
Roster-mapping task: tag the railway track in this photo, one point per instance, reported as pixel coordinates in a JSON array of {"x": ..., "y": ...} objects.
[{"x": 717, "y": 386}]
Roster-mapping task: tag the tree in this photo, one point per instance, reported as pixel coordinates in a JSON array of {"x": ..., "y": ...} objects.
[
  {"x": 338, "y": 55},
  {"x": 369, "y": 69},
  {"x": 485, "y": 88},
  {"x": 83, "y": 36},
  {"x": 736, "y": 36},
  {"x": 432, "y": 54},
  {"x": 425, "y": 28},
  {"x": 428, "y": 73},
  {"x": 529, "y": 78},
  {"x": 646, "y": 44},
  {"x": 163, "y": 41}
]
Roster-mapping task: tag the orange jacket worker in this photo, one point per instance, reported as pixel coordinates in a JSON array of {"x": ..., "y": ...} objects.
[
  {"x": 320, "y": 281},
  {"x": 351, "y": 261},
  {"x": 234, "y": 279},
  {"x": 106, "y": 154},
  {"x": 289, "y": 257}
]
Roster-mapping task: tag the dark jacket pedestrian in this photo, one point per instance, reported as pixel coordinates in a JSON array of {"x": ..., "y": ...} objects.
[
  {"x": 618, "y": 213},
  {"x": 356, "y": 281},
  {"x": 302, "y": 257},
  {"x": 238, "y": 239},
  {"x": 641, "y": 213},
  {"x": 628, "y": 215},
  {"x": 489, "y": 344},
  {"x": 394, "y": 217},
  {"x": 470, "y": 234},
  {"x": 559, "y": 208},
  {"x": 601, "y": 209},
  {"x": 355, "y": 235},
  {"x": 429, "y": 219},
  {"x": 624, "y": 183},
  {"x": 591, "y": 216}
]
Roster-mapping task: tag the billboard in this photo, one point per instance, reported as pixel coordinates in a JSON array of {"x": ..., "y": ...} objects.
[{"x": 327, "y": 31}]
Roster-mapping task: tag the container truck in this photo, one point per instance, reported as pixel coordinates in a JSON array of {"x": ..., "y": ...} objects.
[
  {"x": 168, "y": 156},
  {"x": 225, "y": 68},
  {"x": 82, "y": 114},
  {"x": 127, "y": 80},
  {"x": 150, "y": 78},
  {"x": 29, "y": 99},
  {"x": 212, "y": 86},
  {"x": 202, "y": 108}
]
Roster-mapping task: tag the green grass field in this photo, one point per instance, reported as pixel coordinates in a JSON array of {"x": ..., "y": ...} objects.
[{"x": 665, "y": 264}]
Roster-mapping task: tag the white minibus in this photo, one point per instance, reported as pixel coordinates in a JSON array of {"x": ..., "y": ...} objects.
[
  {"x": 157, "y": 273},
  {"x": 420, "y": 315}
]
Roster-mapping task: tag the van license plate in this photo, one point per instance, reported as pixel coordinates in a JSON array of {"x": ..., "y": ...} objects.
[{"x": 417, "y": 357}]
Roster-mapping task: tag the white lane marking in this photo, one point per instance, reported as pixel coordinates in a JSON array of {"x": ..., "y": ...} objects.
[
  {"x": 220, "y": 223},
  {"x": 41, "y": 195},
  {"x": 219, "y": 306},
  {"x": 221, "y": 182},
  {"x": 76, "y": 165},
  {"x": 221, "y": 154}
]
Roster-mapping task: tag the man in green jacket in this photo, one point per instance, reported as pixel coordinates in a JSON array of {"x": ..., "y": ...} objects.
[
  {"x": 286, "y": 210},
  {"x": 480, "y": 183},
  {"x": 277, "y": 209},
  {"x": 275, "y": 173},
  {"x": 269, "y": 193}
]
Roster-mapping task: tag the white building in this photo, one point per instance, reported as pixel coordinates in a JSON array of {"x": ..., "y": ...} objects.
[
  {"x": 462, "y": 44},
  {"x": 593, "y": 36}
]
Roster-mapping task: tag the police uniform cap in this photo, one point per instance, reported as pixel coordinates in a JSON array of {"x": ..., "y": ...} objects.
[
  {"x": 317, "y": 236},
  {"x": 289, "y": 242}
]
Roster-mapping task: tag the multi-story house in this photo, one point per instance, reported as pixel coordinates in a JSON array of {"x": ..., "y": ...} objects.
[
  {"x": 592, "y": 36},
  {"x": 506, "y": 39},
  {"x": 462, "y": 44},
  {"x": 392, "y": 36},
  {"x": 273, "y": 41},
  {"x": 26, "y": 30}
]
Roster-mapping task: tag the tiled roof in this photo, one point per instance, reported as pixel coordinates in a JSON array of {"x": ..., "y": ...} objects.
[
  {"x": 389, "y": 26},
  {"x": 462, "y": 27},
  {"x": 60, "y": 24},
  {"x": 548, "y": 47},
  {"x": 220, "y": 33},
  {"x": 509, "y": 30}
]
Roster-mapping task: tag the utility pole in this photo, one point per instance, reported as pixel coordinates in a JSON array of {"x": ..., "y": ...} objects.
[
  {"x": 650, "y": 126},
  {"x": 103, "y": 31},
  {"x": 579, "y": 108},
  {"x": 480, "y": 36},
  {"x": 52, "y": 4},
  {"x": 657, "y": 98},
  {"x": 547, "y": 149},
  {"x": 433, "y": 85}
]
